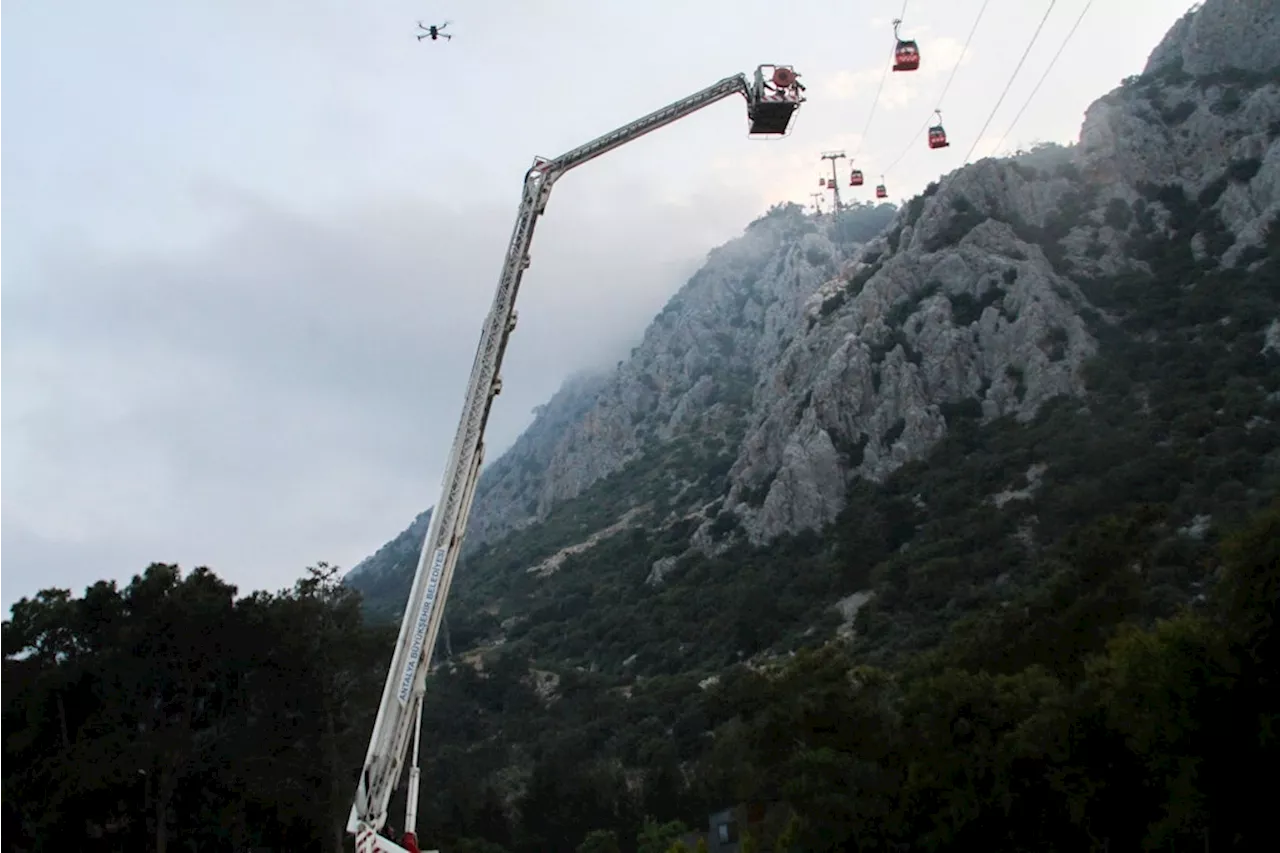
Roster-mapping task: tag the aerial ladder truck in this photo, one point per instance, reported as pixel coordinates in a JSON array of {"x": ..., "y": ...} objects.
[{"x": 772, "y": 96}]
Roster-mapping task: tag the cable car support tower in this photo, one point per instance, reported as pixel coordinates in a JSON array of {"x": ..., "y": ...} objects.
[
  {"x": 772, "y": 96},
  {"x": 833, "y": 156}
]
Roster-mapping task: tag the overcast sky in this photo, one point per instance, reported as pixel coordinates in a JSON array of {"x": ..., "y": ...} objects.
[{"x": 248, "y": 244}]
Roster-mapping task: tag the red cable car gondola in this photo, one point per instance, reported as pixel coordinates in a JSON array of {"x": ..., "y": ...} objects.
[
  {"x": 881, "y": 192},
  {"x": 906, "y": 54},
  {"x": 938, "y": 136},
  {"x": 855, "y": 178},
  {"x": 822, "y": 182}
]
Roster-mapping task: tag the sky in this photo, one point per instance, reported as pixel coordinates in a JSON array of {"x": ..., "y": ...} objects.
[{"x": 246, "y": 246}]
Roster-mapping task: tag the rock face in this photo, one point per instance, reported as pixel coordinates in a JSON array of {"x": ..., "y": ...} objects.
[
  {"x": 1222, "y": 35},
  {"x": 729, "y": 318},
  {"x": 508, "y": 494},
  {"x": 984, "y": 321},
  {"x": 691, "y": 373},
  {"x": 818, "y": 351},
  {"x": 1204, "y": 114}
]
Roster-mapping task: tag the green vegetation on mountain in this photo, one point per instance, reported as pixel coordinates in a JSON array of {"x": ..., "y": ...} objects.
[
  {"x": 1087, "y": 663},
  {"x": 1181, "y": 419},
  {"x": 729, "y": 298},
  {"x": 1051, "y": 607},
  {"x": 171, "y": 715}
]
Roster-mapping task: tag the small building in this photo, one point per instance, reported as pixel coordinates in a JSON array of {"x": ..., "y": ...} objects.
[
  {"x": 726, "y": 828},
  {"x": 722, "y": 831}
]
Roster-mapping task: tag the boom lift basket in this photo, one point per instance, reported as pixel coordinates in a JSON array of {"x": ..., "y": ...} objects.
[{"x": 772, "y": 102}]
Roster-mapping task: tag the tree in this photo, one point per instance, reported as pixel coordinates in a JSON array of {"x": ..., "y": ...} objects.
[
  {"x": 786, "y": 839},
  {"x": 166, "y": 674},
  {"x": 657, "y": 837},
  {"x": 600, "y": 841},
  {"x": 124, "y": 709},
  {"x": 476, "y": 845}
]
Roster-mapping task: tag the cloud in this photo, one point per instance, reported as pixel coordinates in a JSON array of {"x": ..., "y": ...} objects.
[
  {"x": 287, "y": 389},
  {"x": 846, "y": 85},
  {"x": 943, "y": 53},
  {"x": 901, "y": 89}
]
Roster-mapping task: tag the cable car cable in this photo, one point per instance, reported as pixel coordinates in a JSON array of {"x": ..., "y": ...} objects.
[
  {"x": 1026, "y": 103},
  {"x": 1012, "y": 77},
  {"x": 876, "y": 100},
  {"x": 943, "y": 94}
]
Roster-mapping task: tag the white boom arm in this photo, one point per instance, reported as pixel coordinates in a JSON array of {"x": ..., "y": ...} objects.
[{"x": 770, "y": 106}]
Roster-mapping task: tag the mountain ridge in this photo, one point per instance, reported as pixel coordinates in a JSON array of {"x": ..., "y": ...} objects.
[
  {"x": 815, "y": 357},
  {"x": 574, "y": 434}
]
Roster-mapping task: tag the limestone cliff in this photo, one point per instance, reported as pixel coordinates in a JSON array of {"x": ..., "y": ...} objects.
[{"x": 692, "y": 371}]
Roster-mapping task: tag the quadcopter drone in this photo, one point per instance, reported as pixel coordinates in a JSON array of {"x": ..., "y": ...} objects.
[{"x": 433, "y": 32}]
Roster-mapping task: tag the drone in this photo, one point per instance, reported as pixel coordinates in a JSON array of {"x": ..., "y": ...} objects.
[{"x": 434, "y": 32}]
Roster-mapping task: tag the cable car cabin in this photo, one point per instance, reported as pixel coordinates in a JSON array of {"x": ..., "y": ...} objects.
[
  {"x": 881, "y": 192},
  {"x": 822, "y": 182},
  {"x": 772, "y": 102},
  {"x": 938, "y": 137},
  {"x": 855, "y": 178},
  {"x": 906, "y": 56}
]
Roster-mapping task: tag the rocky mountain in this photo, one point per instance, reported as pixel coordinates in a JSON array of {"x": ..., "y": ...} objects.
[
  {"x": 505, "y": 496},
  {"x": 691, "y": 374},
  {"x": 872, "y": 421}
]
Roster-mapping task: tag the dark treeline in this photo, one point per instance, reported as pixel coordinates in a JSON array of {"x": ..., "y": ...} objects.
[{"x": 172, "y": 715}]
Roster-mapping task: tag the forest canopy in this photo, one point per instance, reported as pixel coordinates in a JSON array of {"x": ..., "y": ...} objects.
[{"x": 172, "y": 714}]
